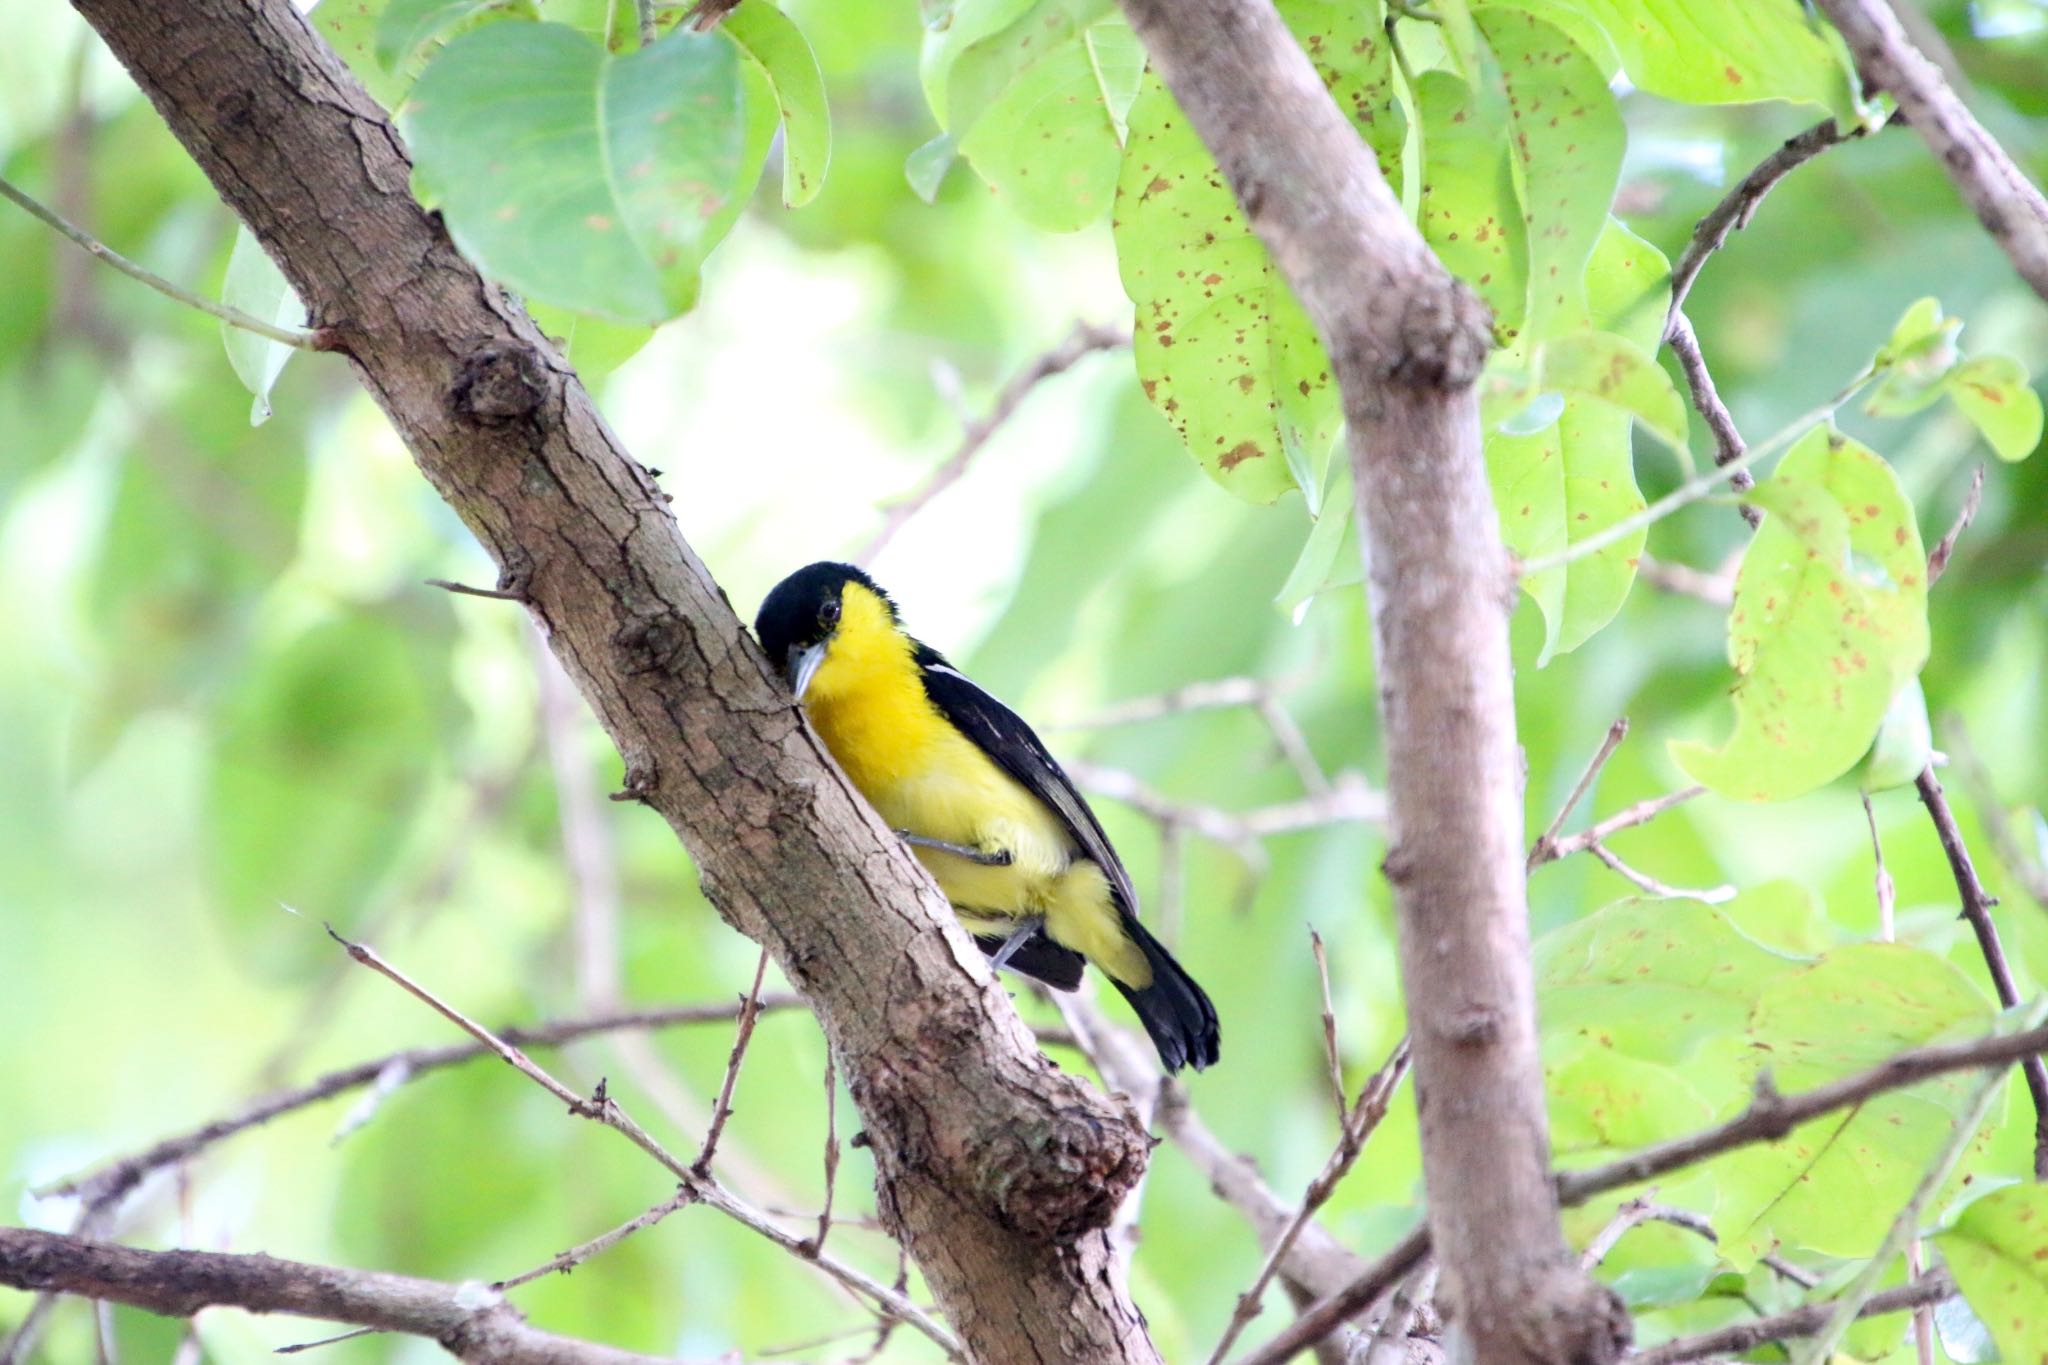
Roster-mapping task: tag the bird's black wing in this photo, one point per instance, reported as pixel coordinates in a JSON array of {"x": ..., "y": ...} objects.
[{"x": 1002, "y": 734}]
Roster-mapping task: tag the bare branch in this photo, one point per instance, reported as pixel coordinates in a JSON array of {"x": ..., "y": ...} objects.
[
  {"x": 1085, "y": 339},
  {"x": 469, "y": 1322},
  {"x": 1641, "y": 813},
  {"x": 1540, "y": 851},
  {"x": 1798, "y": 1322},
  {"x": 750, "y": 1008},
  {"x": 1354, "y": 1128},
  {"x": 577, "y": 1255},
  {"x": 1740, "y": 204},
  {"x": 1715, "y": 589},
  {"x": 1729, "y": 447},
  {"x": 1214, "y": 694},
  {"x": 1712, "y": 895},
  {"x": 1977, "y": 903},
  {"x": 233, "y": 317},
  {"x": 2008, "y": 205},
  {"x": 2020, "y": 865},
  {"x": 113, "y": 1181},
  {"x": 602, "y": 1109}
]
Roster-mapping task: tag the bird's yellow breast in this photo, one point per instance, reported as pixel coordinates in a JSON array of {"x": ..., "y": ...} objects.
[{"x": 868, "y": 703}]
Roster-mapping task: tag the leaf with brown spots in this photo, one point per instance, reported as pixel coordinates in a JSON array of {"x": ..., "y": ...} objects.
[
  {"x": 778, "y": 48},
  {"x": 1829, "y": 620},
  {"x": 1834, "y": 1185},
  {"x": 1225, "y": 351},
  {"x": 1564, "y": 141},
  {"x": 1998, "y": 1251}
]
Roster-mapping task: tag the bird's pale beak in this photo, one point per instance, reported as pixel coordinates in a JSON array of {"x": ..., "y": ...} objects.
[{"x": 803, "y": 666}]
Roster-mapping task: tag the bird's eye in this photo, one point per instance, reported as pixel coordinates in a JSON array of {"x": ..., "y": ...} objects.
[{"x": 828, "y": 615}]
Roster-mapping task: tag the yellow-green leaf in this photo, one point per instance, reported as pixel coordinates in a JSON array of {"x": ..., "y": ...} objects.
[
  {"x": 778, "y": 47},
  {"x": 1998, "y": 1252},
  {"x": 1829, "y": 619},
  {"x": 1992, "y": 391}
]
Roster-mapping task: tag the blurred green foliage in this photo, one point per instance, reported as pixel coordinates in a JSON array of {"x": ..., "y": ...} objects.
[{"x": 230, "y": 710}]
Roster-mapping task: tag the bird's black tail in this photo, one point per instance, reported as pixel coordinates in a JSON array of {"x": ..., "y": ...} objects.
[{"x": 1173, "y": 1008}]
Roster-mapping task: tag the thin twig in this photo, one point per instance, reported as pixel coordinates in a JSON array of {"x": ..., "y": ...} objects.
[
  {"x": 234, "y": 317},
  {"x": 646, "y": 9},
  {"x": 1355, "y": 1127},
  {"x": 1085, "y": 339},
  {"x": 1937, "y": 558},
  {"x": 1977, "y": 903},
  {"x": 1210, "y": 695},
  {"x": 817, "y": 1242},
  {"x": 466, "y": 590},
  {"x": 114, "y": 1180},
  {"x": 575, "y": 1256},
  {"x": 1641, "y": 813},
  {"x": 722, "y": 1110},
  {"x": 1631, "y": 1213},
  {"x": 1741, "y": 202},
  {"x": 1734, "y": 1340},
  {"x": 1336, "y": 1064},
  {"x": 1711, "y": 895},
  {"x": 601, "y": 1108},
  {"x": 1887, "y": 893},
  {"x": 1701, "y": 1226},
  {"x": 1729, "y": 446},
  {"x": 1539, "y": 852},
  {"x": 1715, "y": 589}
]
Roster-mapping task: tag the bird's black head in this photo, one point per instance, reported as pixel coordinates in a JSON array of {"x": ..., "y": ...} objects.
[{"x": 801, "y": 614}]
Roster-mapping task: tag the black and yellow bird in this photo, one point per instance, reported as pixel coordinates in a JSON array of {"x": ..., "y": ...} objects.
[{"x": 987, "y": 810}]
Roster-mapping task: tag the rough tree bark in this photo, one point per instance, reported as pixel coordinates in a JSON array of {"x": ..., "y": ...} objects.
[
  {"x": 1406, "y": 342},
  {"x": 1000, "y": 1171},
  {"x": 474, "y": 1327}
]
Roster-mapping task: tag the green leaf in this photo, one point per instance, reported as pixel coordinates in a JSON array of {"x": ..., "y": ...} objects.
[
  {"x": 1725, "y": 54},
  {"x": 1628, "y": 287},
  {"x": 1998, "y": 1251},
  {"x": 595, "y": 346},
  {"x": 406, "y": 26},
  {"x": 1992, "y": 391},
  {"x": 1568, "y": 481},
  {"x": 925, "y": 169},
  {"x": 1603, "y": 1100},
  {"x": 1915, "y": 361},
  {"x": 1469, "y": 213},
  {"x": 1565, "y": 144},
  {"x": 592, "y": 181},
  {"x": 1784, "y": 916},
  {"x": 1031, "y": 98},
  {"x": 255, "y": 285},
  {"x": 1329, "y": 557},
  {"x": 350, "y": 28},
  {"x": 1829, "y": 619},
  {"x": 1905, "y": 741},
  {"x": 1655, "y": 979},
  {"x": 1833, "y": 1186},
  {"x": 1222, "y": 347},
  {"x": 1619, "y": 374},
  {"x": 778, "y": 47}
]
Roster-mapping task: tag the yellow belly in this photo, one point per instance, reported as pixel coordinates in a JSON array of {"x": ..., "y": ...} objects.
[{"x": 924, "y": 777}]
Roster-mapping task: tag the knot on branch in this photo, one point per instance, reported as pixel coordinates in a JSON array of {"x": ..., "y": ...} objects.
[
  {"x": 653, "y": 644},
  {"x": 1573, "y": 1318},
  {"x": 1064, "y": 1175},
  {"x": 1442, "y": 338},
  {"x": 500, "y": 384}
]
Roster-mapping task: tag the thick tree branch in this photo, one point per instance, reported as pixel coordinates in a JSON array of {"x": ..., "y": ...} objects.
[
  {"x": 470, "y": 1323},
  {"x": 1000, "y": 1171},
  {"x": 1406, "y": 342},
  {"x": 1997, "y": 191}
]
